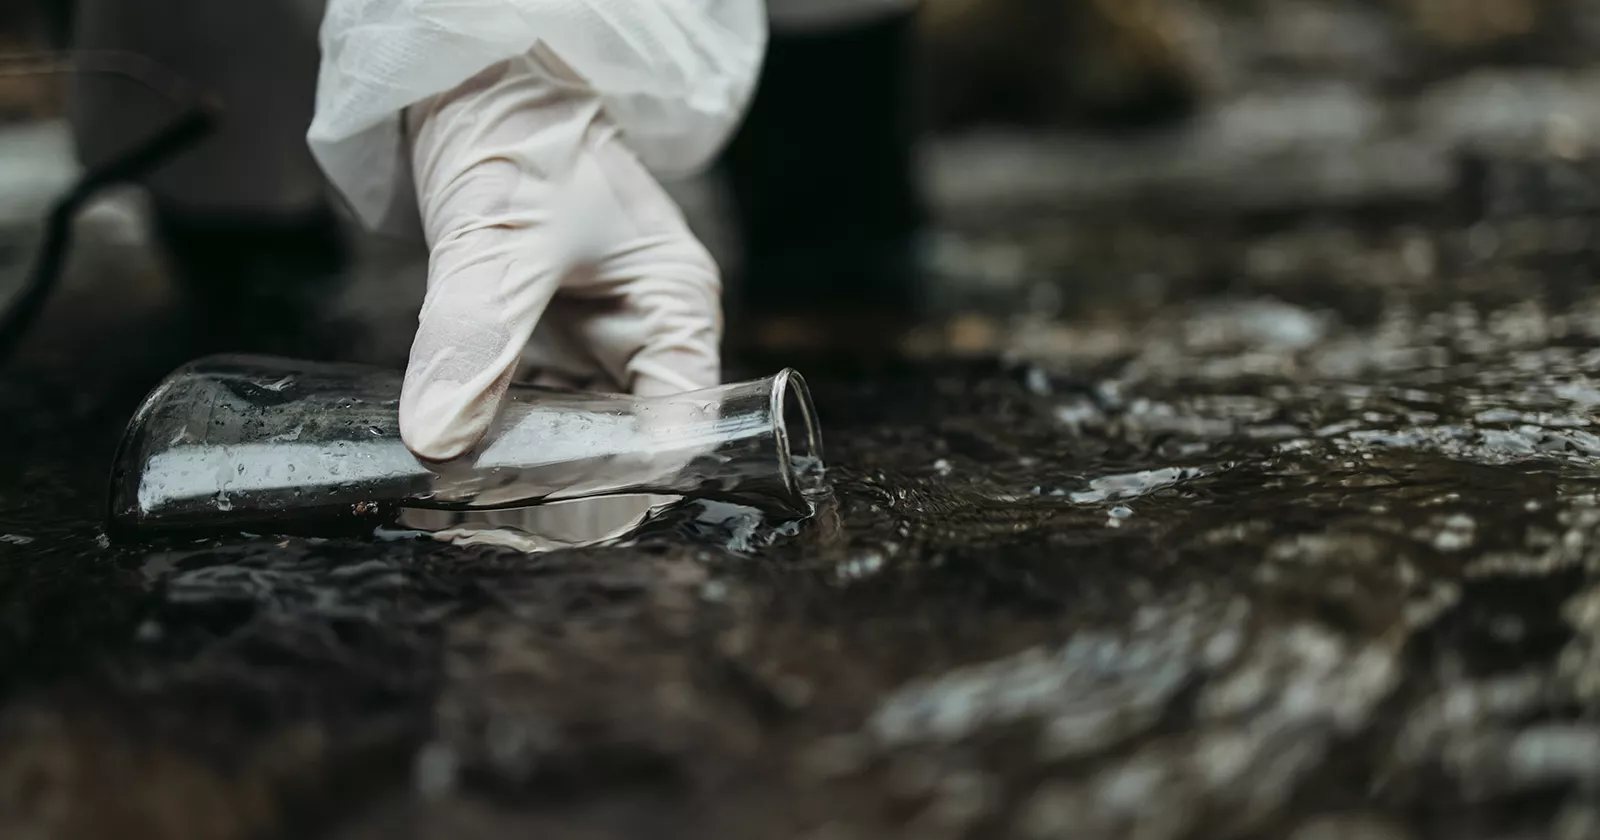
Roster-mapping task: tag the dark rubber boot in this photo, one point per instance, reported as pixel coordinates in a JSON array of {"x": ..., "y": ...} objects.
[{"x": 824, "y": 181}]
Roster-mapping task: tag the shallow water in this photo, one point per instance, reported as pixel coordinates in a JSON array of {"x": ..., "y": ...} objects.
[
  {"x": 1252, "y": 526},
  {"x": 1309, "y": 550}
]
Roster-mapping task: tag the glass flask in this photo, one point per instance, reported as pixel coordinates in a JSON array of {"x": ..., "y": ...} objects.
[{"x": 238, "y": 440}]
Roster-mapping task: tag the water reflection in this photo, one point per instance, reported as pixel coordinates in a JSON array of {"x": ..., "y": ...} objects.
[
  {"x": 1315, "y": 555},
  {"x": 572, "y": 524}
]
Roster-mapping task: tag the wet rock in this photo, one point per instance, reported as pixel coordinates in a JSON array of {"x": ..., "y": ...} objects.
[{"x": 1352, "y": 826}]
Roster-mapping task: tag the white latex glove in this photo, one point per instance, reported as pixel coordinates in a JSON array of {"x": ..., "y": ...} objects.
[{"x": 550, "y": 243}]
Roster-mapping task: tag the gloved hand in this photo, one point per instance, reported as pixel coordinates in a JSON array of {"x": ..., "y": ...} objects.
[{"x": 551, "y": 245}]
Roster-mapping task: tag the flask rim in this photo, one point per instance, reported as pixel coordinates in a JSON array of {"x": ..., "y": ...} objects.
[{"x": 794, "y": 421}]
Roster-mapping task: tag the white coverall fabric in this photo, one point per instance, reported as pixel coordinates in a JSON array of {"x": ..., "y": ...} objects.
[{"x": 674, "y": 75}]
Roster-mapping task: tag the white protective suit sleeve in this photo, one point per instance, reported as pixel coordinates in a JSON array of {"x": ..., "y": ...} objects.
[{"x": 674, "y": 75}]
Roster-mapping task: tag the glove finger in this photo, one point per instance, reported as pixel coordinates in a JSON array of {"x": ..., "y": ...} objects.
[
  {"x": 472, "y": 329},
  {"x": 480, "y": 157},
  {"x": 557, "y": 354},
  {"x": 659, "y": 339},
  {"x": 659, "y": 335},
  {"x": 653, "y": 317},
  {"x": 648, "y": 309}
]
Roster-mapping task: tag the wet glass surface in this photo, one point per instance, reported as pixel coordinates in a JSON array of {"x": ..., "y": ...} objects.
[{"x": 255, "y": 443}]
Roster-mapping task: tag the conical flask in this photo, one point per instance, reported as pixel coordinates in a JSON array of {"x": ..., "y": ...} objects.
[{"x": 252, "y": 441}]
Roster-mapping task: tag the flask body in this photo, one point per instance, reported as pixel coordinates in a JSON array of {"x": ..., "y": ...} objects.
[{"x": 238, "y": 440}]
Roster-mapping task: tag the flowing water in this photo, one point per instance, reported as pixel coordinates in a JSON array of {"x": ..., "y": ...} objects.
[
  {"x": 1254, "y": 524},
  {"x": 1299, "y": 538}
]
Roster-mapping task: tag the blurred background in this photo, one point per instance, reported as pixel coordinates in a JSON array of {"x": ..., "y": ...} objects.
[{"x": 1042, "y": 123}]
